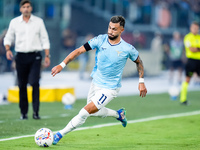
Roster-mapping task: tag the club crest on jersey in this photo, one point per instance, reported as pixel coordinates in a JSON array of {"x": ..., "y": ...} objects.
[{"x": 118, "y": 52}]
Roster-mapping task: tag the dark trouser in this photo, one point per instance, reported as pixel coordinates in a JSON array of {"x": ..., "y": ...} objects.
[
  {"x": 192, "y": 65},
  {"x": 28, "y": 66}
]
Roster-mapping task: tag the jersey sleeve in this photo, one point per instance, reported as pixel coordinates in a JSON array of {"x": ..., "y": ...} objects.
[
  {"x": 133, "y": 53},
  {"x": 95, "y": 42}
]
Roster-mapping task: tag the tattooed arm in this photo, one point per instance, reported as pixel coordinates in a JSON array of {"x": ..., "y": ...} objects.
[{"x": 140, "y": 68}]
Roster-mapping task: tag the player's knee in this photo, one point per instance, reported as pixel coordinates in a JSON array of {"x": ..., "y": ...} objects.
[
  {"x": 91, "y": 108},
  {"x": 83, "y": 113}
]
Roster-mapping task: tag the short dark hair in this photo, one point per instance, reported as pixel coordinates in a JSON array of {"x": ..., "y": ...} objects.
[
  {"x": 195, "y": 22},
  {"x": 24, "y": 2},
  {"x": 118, "y": 19}
]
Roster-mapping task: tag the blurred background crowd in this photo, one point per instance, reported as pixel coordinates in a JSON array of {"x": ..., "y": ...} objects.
[{"x": 154, "y": 27}]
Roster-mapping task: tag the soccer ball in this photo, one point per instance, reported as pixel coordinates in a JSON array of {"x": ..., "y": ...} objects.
[
  {"x": 68, "y": 99},
  {"x": 174, "y": 92},
  {"x": 44, "y": 137}
]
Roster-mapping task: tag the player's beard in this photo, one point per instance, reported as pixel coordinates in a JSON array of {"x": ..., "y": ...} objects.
[{"x": 113, "y": 37}]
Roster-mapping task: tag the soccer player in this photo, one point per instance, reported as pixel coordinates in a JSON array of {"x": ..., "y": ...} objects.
[
  {"x": 192, "y": 47},
  {"x": 112, "y": 53}
]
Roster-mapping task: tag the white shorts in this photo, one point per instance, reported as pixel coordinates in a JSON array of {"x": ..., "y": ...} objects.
[{"x": 101, "y": 96}]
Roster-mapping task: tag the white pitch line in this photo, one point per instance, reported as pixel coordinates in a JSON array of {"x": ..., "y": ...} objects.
[
  {"x": 112, "y": 124},
  {"x": 43, "y": 117},
  {"x": 46, "y": 117},
  {"x": 64, "y": 115}
]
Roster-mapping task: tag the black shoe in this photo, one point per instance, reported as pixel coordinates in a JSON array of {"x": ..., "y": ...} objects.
[
  {"x": 24, "y": 117},
  {"x": 186, "y": 103},
  {"x": 36, "y": 116}
]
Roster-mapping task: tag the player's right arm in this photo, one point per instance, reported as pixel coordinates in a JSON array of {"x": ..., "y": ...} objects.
[
  {"x": 68, "y": 59},
  {"x": 9, "y": 39}
]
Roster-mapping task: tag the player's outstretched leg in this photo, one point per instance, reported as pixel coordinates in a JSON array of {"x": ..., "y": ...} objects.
[
  {"x": 122, "y": 116},
  {"x": 77, "y": 121},
  {"x": 57, "y": 138}
]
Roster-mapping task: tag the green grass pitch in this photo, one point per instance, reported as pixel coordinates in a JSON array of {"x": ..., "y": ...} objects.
[{"x": 171, "y": 134}]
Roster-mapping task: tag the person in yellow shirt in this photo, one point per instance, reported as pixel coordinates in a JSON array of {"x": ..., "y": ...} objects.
[{"x": 192, "y": 48}]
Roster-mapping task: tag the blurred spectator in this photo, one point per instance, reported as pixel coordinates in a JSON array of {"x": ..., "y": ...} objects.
[
  {"x": 2, "y": 54},
  {"x": 49, "y": 10},
  {"x": 183, "y": 9},
  {"x": 163, "y": 15},
  {"x": 157, "y": 49},
  {"x": 156, "y": 43},
  {"x": 127, "y": 36},
  {"x": 9, "y": 8},
  {"x": 146, "y": 9},
  {"x": 16, "y": 8},
  {"x": 134, "y": 12},
  {"x": 196, "y": 10},
  {"x": 176, "y": 55},
  {"x": 166, "y": 61},
  {"x": 69, "y": 40},
  {"x": 136, "y": 38},
  {"x": 5, "y": 65},
  {"x": 139, "y": 40},
  {"x": 84, "y": 58}
]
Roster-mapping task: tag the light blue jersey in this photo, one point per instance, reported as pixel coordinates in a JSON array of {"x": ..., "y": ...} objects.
[{"x": 110, "y": 61}]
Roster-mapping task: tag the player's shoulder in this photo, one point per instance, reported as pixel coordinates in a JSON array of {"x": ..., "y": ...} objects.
[
  {"x": 126, "y": 45},
  {"x": 102, "y": 36}
]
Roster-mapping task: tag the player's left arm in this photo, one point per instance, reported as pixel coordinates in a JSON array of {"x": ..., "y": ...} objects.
[{"x": 140, "y": 68}]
